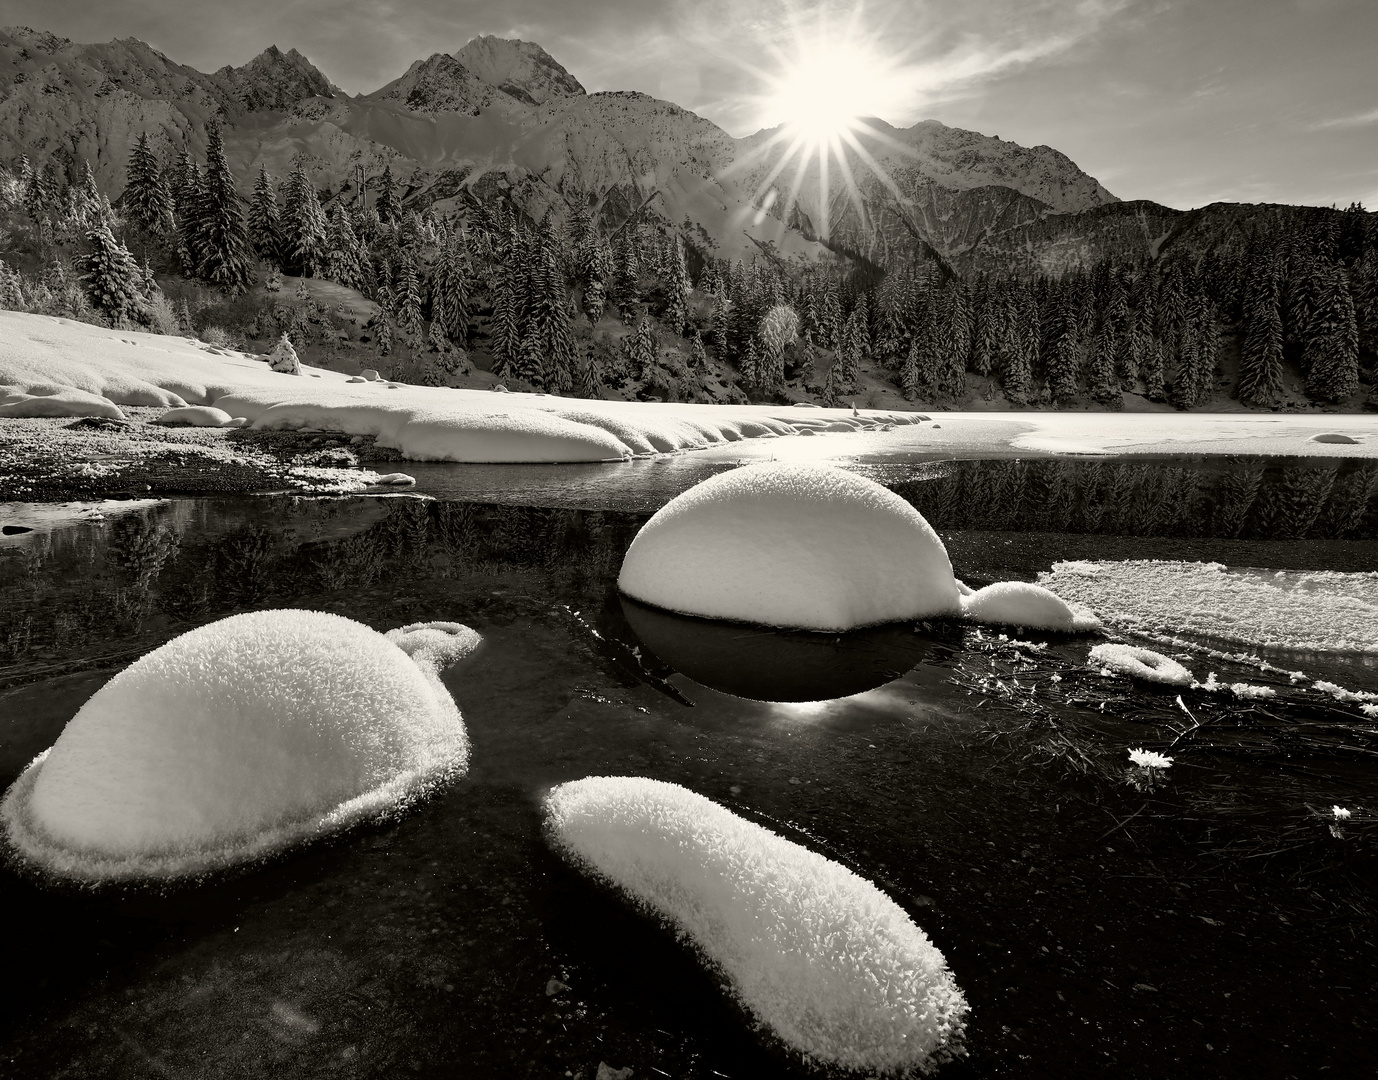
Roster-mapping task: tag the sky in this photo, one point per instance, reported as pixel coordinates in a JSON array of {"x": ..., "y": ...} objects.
[{"x": 1184, "y": 102}]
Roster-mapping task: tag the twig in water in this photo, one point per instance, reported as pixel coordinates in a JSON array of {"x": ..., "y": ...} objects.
[{"x": 1121, "y": 824}]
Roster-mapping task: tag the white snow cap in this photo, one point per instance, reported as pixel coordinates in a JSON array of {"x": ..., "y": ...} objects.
[
  {"x": 808, "y": 547},
  {"x": 1019, "y": 603},
  {"x": 830, "y": 964},
  {"x": 240, "y": 738},
  {"x": 1141, "y": 663}
]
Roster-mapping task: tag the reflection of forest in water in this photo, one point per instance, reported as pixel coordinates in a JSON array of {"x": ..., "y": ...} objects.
[
  {"x": 144, "y": 576},
  {"x": 115, "y": 589},
  {"x": 1217, "y": 497}
]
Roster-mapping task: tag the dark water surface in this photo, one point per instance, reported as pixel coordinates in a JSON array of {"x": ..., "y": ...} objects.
[{"x": 1211, "y": 923}]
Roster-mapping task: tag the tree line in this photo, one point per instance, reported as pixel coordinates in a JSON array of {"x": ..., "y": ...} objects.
[{"x": 1304, "y": 300}]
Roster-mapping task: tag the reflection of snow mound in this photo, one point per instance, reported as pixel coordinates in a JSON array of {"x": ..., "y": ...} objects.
[
  {"x": 823, "y": 958},
  {"x": 804, "y": 546},
  {"x": 1018, "y": 603},
  {"x": 1142, "y": 664},
  {"x": 240, "y": 738},
  {"x": 1321, "y": 611}
]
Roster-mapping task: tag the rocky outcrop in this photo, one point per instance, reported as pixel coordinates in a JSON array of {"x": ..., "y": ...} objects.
[
  {"x": 521, "y": 69},
  {"x": 275, "y": 80},
  {"x": 439, "y": 84}
]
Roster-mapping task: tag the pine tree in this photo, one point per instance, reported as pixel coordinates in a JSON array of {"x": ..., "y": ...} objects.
[
  {"x": 1331, "y": 357},
  {"x": 409, "y": 301},
  {"x": 698, "y": 356},
  {"x": 265, "y": 222},
  {"x": 679, "y": 289},
  {"x": 450, "y": 297},
  {"x": 1064, "y": 356},
  {"x": 304, "y": 225},
  {"x": 1260, "y": 360},
  {"x": 342, "y": 250},
  {"x": 147, "y": 200},
  {"x": 221, "y": 243},
  {"x": 505, "y": 327},
  {"x": 385, "y": 205},
  {"x": 640, "y": 348},
  {"x": 590, "y": 378},
  {"x": 779, "y": 329},
  {"x": 1101, "y": 382},
  {"x": 112, "y": 278},
  {"x": 722, "y": 318},
  {"x": 550, "y": 314},
  {"x": 911, "y": 379}
]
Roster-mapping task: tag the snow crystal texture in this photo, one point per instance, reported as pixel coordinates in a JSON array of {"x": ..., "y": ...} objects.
[
  {"x": 807, "y": 547},
  {"x": 1141, "y": 664},
  {"x": 1321, "y": 611},
  {"x": 1018, "y": 603},
  {"x": 238, "y": 739},
  {"x": 831, "y": 965}
]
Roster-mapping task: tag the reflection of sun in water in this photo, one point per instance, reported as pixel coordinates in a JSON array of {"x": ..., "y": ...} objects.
[{"x": 818, "y": 95}]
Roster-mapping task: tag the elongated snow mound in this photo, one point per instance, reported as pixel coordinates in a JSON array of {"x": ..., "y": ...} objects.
[
  {"x": 1180, "y": 603},
  {"x": 830, "y": 964},
  {"x": 808, "y": 547},
  {"x": 1141, "y": 664},
  {"x": 1018, "y": 603},
  {"x": 238, "y": 739}
]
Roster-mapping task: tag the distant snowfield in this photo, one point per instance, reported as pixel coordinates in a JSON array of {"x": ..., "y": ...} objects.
[{"x": 57, "y": 367}]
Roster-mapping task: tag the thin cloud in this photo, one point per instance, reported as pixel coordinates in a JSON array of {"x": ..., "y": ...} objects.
[{"x": 1362, "y": 119}]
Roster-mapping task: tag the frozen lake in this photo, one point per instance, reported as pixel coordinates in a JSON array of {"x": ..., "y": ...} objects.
[{"x": 1213, "y": 923}]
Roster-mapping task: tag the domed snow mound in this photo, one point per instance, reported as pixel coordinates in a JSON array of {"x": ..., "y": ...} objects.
[
  {"x": 807, "y": 547},
  {"x": 238, "y": 739},
  {"x": 830, "y": 964},
  {"x": 1141, "y": 664},
  {"x": 1018, "y": 603}
]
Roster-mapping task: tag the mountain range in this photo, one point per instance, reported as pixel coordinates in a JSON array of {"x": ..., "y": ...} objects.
[{"x": 505, "y": 115}]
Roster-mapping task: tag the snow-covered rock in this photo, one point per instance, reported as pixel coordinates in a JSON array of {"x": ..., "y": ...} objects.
[
  {"x": 822, "y": 958},
  {"x": 1019, "y": 603},
  {"x": 238, "y": 739},
  {"x": 196, "y": 416},
  {"x": 808, "y": 547},
  {"x": 283, "y": 358},
  {"x": 1141, "y": 664},
  {"x": 46, "y": 399}
]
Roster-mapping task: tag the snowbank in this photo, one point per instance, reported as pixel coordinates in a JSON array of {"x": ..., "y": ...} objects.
[
  {"x": 1321, "y": 611},
  {"x": 1018, "y": 603},
  {"x": 830, "y": 964},
  {"x": 1141, "y": 664},
  {"x": 47, "y": 399},
  {"x": 238, "y": 739},
  {"x": 802, "y": 546},
  {"x": 197, "y": 416},
  {"x": 48, "y": 363}
]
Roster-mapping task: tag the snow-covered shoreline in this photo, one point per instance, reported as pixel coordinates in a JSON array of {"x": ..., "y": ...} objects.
[{"x": 57, "y": 367}]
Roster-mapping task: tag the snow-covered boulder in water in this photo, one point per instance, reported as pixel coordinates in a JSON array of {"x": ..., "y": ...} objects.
[
  {"x": 1141, "y": 664},
  {"x": 283, "y": 358},
  {"x": 238, "y": 739},
  {"x": 196, "y": 416},
  {"x": 808, "y": 547},
  {"x": 822, "y": 958},
  {"x": 1019, "y": 603}
]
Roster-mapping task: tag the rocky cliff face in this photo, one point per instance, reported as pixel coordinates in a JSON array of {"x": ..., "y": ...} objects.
[
  {"x": 440, "y": 84},
  {"x": 521, "y": 69},
  {"x": 275, "y": 80}
]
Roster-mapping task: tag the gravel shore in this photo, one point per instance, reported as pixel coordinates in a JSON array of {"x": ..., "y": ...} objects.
[{"x": 60, "y": 459}]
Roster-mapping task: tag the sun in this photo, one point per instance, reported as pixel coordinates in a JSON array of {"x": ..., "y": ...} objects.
[
  {"x": 819, "y": 94},
  {"x": 825, "y": 88}
]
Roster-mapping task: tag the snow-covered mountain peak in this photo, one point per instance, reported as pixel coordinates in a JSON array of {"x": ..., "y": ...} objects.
[
  {"x": 277, "y": 80},
  {"x": 520, "y": 68}
]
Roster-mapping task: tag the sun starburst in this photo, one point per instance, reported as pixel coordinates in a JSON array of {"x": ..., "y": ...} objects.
[{"x": 821, "y": 90}]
